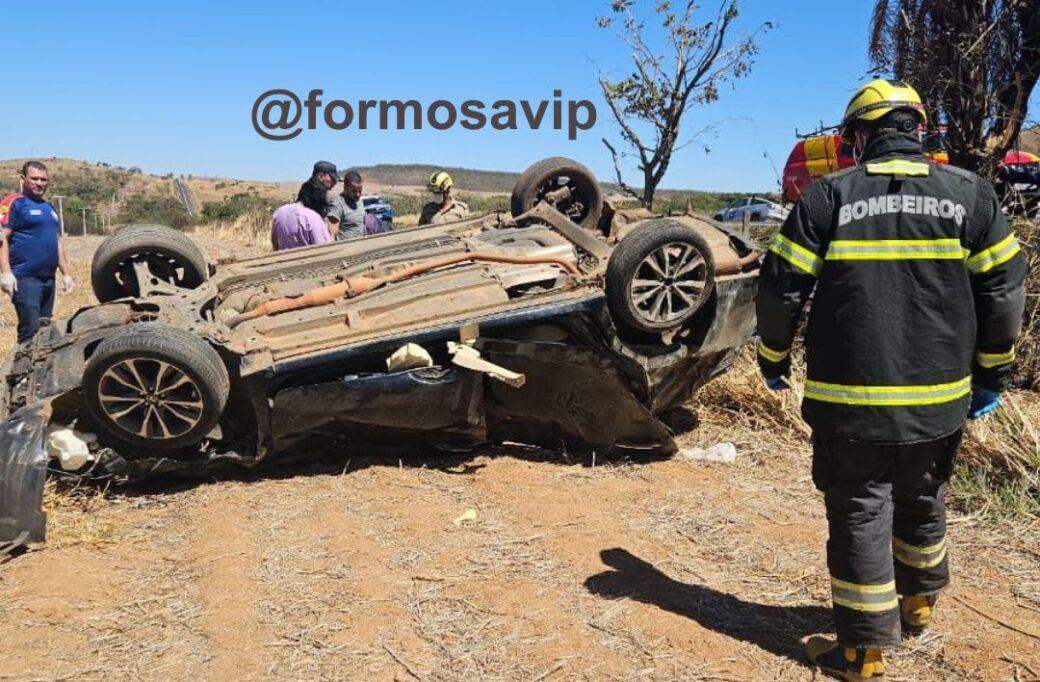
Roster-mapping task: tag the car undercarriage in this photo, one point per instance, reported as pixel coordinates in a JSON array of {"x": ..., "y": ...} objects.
[{"x": 556, "y": 326}]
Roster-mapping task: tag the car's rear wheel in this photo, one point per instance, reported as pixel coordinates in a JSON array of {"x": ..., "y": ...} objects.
[
  {"x": 154, "y": 387},
  {"x": 567, "y": 185},
  {"x": 659, "y": 276},
  {"x": 170, "y": 257}
]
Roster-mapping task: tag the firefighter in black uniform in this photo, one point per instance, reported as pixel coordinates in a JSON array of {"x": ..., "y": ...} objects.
[{"x": 918, "y": 301}]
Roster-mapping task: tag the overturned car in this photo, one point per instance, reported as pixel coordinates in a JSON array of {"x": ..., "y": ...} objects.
[{"x": 566, "y": 323}]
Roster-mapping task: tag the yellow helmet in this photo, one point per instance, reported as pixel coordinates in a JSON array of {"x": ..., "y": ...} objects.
[
  {"x": 880, "y": 97},
  {"x": 439, "y": 182}
]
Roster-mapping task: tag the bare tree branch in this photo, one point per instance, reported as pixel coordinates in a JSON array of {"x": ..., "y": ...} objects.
[
  {"x": 688, "y": 69},
  {"x": 617, "y": 172}
]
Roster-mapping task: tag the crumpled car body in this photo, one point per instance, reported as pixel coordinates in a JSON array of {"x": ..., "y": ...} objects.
[{"x": 316, "y": 378}]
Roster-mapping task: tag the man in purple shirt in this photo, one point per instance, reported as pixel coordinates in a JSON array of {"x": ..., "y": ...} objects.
[{"x": 295, "y": 225}]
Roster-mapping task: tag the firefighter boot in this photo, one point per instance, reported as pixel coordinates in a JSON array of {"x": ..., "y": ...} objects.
[
  {"x": 916, "y": 612},
  {"x": 845, "y": 663}
]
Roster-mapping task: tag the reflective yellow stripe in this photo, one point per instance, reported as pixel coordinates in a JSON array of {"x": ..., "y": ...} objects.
[
  {"x": 895, "y": 249},
  {"x": 864, "y": 589},
  {"x": 918, "y": 563},
  {"x": 770, "y": 354},
  {"x": 858, "y": 597},
  {"x": 930, "y": 549},
  {"x": 919, "y": 557},
  {"x": 887, "y": 395},
  {"x": 798, "y": 256},
  {"x": 998, "y": 254},
  {"x": 899, "y": 167},
  {"x": 990, "y": 360},
  {"x": 861, "y": 606}
]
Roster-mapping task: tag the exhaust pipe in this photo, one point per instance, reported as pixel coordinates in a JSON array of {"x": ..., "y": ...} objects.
[{"x": 356, "y": 286}]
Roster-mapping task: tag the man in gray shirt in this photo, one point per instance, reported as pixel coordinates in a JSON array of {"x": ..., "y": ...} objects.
[{"x": 346, "y": 212}]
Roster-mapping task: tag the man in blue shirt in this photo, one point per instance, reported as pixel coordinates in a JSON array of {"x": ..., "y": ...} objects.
[{"x": 31, "y": 250}]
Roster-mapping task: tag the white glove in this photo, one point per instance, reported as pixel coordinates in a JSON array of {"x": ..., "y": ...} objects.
[
  {"x": 68, "y": 284},
  {"x": 8, "y": 283}
]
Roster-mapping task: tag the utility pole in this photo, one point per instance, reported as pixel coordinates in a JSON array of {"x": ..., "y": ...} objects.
[
  {"x": 84, "y": 221},
  {"x": 61, "y": 214}
]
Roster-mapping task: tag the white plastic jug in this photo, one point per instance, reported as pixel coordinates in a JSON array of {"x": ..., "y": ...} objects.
[{"x": 71, "y": 451}]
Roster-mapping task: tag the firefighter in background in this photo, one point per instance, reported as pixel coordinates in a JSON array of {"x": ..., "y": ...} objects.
[
  {"x": 444, "y": 208},
  {"x": 918, "y": 301}
]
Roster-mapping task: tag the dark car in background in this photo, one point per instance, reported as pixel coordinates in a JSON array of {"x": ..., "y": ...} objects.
[{"x": 379, "y": 207}]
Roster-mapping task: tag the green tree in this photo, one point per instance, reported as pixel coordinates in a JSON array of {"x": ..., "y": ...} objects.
[{"x": 687, "y": 68}]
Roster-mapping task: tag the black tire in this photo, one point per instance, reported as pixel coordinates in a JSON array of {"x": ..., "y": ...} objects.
[
  {"x": 681, "y": 248},
  {"x": 108, "y": 388},
  {"x": 171, "y": 255},
  {"x": 584, "y": 209}
]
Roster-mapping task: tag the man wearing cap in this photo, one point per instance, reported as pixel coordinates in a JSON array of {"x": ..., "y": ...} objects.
[{"x": 314, "y": 192}]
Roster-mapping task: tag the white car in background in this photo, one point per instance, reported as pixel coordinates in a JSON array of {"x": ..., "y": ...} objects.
[{"x": 761, "y": 211}]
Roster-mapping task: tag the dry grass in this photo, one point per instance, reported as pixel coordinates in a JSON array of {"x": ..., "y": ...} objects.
[
  {"x": 998, "y": 472},
  {"x": 252, "y": 229},
  {"x": 75, "y": 515},
  {"x": 1027, "y": 369}
]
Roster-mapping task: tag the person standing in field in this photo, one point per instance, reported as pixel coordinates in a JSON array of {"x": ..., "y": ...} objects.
[
  {"x": 918, "y": 301},
  {"x": 31, "y": 250},
  {"x": 346, "y": 214},
  {"x": 314, "y": 192},
  {"x": 294, "y": 225},
  {"x": 444, "y": 208}
]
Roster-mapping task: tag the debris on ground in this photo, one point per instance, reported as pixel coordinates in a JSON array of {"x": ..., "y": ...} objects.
[
  {"x": 466, "y": 517},
  {"x": 723, "y": 453}
]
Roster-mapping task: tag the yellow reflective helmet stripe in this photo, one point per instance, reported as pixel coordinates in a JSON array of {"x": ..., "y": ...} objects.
[
  {"x": 887, "y": 396},
  {"x": 440, "y": 181},
  {"x": 895, "y": 249},
  {"x": 998, "y": 254},
  {"x": 919, "y": 557},
  {"x": 797, "y": 255},
  {"x": 913, "y": 169},
  {"x": 881, "y": 96},
  {"x": 770, "y": 354},
  {"x": 990, "y": 360},
  {"x": 869, "y": 598}
]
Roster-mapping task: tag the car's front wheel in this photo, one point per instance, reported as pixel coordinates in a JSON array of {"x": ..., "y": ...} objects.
[
  {"x": 154, "y": 387},
  {"x": 658, "y": 276}
]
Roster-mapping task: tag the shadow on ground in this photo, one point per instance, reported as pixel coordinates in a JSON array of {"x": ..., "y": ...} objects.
[
  {"x": 308, "y": 461},
  {"x": 776, "y": 629},
  {"x": 332, "y": 459}
]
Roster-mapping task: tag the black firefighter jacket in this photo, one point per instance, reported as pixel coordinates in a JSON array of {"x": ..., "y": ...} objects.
[{"x": 918, "y": 294}]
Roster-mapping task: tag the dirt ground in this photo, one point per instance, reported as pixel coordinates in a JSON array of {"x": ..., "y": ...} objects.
[{"x": 566, "y": 568}]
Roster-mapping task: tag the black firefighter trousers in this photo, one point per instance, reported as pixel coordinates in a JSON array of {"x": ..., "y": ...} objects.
[{"x": 887, "y": 521}]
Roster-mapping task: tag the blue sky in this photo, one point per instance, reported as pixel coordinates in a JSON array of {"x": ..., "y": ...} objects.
[{"x": 169, "y": 86}]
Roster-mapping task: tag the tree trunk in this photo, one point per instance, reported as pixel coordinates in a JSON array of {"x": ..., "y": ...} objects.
[{"x": 649, "y": 189}]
